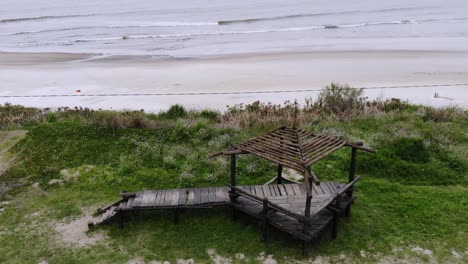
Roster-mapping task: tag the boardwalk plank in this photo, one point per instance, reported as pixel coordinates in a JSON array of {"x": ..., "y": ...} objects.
[
  {"x": 130, "y": 202},
  {"x": 204, "y": 192},
  {"x": 151, "y": 197},
  {"x": 282, "y": 190},
  {"x": 314, "y": 190},
  {"x": 182, "y": 197},
  {"x": 197, "y": 196},
  {"x": 168, "y": 198},
  {"x": 175, "y": 197},
  {"x": 296, "y": 189},
  {"x": 272, "y": 190},
  {"x": 219, "y": 194},
  {"x": 289, "y": 189},
  {"x": 160, "y": 199},
  {"x": 259, "y": 191},
  {"x": 138, "y": 197},
  {"x": 266, "y": 191},
  {"x": 191, "y": 196}
]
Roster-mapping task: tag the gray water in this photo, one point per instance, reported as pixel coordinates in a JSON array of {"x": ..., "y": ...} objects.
[{"x": 202, "y": 27}]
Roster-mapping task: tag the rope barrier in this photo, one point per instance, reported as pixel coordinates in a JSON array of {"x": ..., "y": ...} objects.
[{"x": 222, "y": 93}]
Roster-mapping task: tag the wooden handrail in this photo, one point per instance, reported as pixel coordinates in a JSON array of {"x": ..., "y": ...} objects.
[
  {"x": 284, "y": 179},
  {"x": 349, "y": 185},
  {"x": 354, "y": 145},
  {"x": 270, "y": 204}
]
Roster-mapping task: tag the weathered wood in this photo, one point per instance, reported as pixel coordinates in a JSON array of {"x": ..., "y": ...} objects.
[
  {"x": 232, "y": 192},
  {"x": 280, "y": 174},
  {"x": 352, "y": 169},
  {"x": 284, "y": 209},
  {"x": 182, "y": 197},
  {"x": 292, "y": 148}
]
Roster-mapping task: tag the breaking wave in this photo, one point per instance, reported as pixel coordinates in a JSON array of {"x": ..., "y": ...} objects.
[
  {"x": 261, "y": 19},
  {"x": 190, "y": 35},
  {"x": 24, "y": 19}
]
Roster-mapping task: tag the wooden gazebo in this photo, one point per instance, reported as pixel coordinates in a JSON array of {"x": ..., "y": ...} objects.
[
  {"x": 285, "y": 205},
  {"x": 302, "y": 210}
]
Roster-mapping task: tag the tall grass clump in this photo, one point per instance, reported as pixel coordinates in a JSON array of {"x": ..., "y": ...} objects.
[
  {"x": 174, "y": 112},
  {"x": 340, "y": 99},
  {"x": 445, "y": 114},
  {"x": 335, "y": 102},
  {"x": 17, "y": 115},
  {"x": 115, "y": 120}
]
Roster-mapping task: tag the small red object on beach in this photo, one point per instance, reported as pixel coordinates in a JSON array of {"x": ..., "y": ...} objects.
[{"x": 78, "y": 91}]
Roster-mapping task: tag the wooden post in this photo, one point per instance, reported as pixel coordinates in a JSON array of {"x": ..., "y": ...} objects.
[
  {"x": 176, "y": 216},
  {"x": 121, "y": 218},
  {"x": 307, "y": 213},
  {"x": 279, "y": 179},
  {"x": 352, "y": 168},
  {"x": 305, "y": 251},
  {"x": 310, "y": 178},
  {"x": 233, "y": 170},
  {"x": 352, "y": 175},
  {"x": 265, "y": 221},
  {"x": 232, "y": 192},
  {"x": 335, "y": 218}
]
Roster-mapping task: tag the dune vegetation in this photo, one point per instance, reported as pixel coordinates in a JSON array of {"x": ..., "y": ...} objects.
[{"x": 412, "y": 199}]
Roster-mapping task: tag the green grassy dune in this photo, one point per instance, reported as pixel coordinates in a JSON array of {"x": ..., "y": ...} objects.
[{"x": 412, "y": 199}]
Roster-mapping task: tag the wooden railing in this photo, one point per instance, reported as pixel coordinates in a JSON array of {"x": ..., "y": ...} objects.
[{"x": 266, "y": 203}]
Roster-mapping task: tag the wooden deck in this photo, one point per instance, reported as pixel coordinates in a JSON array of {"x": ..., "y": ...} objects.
[{"x": 288, "y": 196}]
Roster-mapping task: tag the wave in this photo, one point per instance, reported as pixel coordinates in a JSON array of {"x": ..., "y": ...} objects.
[
  {"x": 261, "y": 19},
  {"x": 156, "y": 24},
  {"x": 38, "y": 18},
  {"x": 167, "y": 24},
  {"x": 191, "y": 35}
]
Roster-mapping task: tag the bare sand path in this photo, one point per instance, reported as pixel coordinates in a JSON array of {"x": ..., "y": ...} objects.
[
  {"x": 7, "y": 140},
  {"x": 35, "y": 74}
]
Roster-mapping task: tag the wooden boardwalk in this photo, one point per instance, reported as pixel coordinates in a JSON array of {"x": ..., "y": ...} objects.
[{"x": 288, "y": 196}]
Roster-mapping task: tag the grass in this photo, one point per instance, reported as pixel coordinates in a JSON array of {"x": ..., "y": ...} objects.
[{"x": 413, "y": 192}]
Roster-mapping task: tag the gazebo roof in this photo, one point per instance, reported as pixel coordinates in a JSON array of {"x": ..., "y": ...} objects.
[{"x": 291, "y": 147}]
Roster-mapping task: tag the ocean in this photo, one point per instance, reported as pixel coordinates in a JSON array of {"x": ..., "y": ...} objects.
[{"x": 181, "y": 28}]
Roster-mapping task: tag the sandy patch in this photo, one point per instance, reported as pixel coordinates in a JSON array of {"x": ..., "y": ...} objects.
[
  {"x": 139, "y": 260},
  {"x": 218, "y": 259},
  {"x": 185, "y": 261},
  {"x": 74, "y": 233},
  {"x": 7, "y": 140},
  {"x": 265, "y": 72},
  {"x": 266, "y": 259},
  {"x": 136, "y": 261}
]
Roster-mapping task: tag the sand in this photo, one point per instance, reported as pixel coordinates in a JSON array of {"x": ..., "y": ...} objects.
[
  {"x": 43, "y": 74},
  {"x": 7, "y": 140}
]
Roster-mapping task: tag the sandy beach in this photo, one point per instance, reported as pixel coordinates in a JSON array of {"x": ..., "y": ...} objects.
[{"x": 25, "y": 74}]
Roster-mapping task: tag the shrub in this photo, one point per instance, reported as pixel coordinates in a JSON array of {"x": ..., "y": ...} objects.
[
  {"x": 210, "y": 115},
  {"x": 410, "y": 149},
  {"x": 129, "y": 119},
  {"x": 174, "y": 112},
  {"x": 446, "y": 114},
  {"x": 14, "y": 115},
  {"x": 337, "y": 98}
]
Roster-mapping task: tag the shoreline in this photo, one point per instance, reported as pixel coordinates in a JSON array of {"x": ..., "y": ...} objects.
[{"x": 65, "y": 73}]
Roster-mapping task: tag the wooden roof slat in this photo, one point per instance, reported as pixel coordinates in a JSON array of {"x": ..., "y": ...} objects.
[
  {"x": 322, "y": 145},
  {"x": 320, "y": 150},
  {"x": 273, "y": 145},
  {"x": 293, "y": 148},
  {"x": 286, "y": 164},
  {"x": 325, "y": 153},
  {"x": 274, "y": 156}
]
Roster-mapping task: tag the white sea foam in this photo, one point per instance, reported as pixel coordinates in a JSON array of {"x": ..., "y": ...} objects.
[{"x": 188, "y": 27}]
